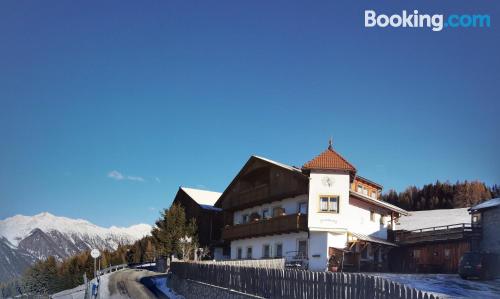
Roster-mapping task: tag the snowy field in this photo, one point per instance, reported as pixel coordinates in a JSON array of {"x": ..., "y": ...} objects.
[{"x": 447, "y": 285}]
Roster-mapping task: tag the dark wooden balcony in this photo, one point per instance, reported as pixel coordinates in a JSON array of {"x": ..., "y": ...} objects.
[
  {"x": 266, "y": 227},
  {"x": 437, "y": 233}
]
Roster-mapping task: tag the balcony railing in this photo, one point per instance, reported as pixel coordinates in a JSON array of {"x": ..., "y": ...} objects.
[
  {"x": 437, "y": 233},
  {"x": 271, "y": 226}
]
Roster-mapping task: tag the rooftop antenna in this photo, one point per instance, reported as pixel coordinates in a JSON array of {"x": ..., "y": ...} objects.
[{"x": 330, "y": 143}]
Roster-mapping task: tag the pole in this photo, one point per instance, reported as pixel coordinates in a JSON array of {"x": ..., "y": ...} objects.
[{"x": 95, "y": 270}]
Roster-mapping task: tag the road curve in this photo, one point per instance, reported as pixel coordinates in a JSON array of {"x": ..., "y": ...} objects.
[{"x": 126, "y": 284}]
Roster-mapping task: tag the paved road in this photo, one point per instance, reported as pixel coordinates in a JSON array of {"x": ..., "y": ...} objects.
[{"x": 125, "y": 284}]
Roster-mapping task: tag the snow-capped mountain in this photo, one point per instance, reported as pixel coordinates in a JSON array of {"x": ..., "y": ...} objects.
[{"x": 26, "y": 239}]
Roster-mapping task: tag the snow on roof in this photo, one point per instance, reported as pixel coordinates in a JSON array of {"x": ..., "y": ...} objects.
[
  {"x": 372, "y": 239},
  {"x": 279, "y": 164},
  {"x": 495, "y": 202},
  {"x": 378, "y": 202},
  {"x": 433, "y": 218},
  {"x": 202, "y": 197}
]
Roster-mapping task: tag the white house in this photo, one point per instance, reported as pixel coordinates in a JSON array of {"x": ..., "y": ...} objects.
[{"x": 308, "y": 215}]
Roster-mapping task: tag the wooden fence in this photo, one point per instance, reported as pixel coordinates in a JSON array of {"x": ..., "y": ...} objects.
[{"x": 288, "y": 283}]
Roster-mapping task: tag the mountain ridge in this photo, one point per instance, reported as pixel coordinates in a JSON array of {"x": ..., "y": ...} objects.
[{"x": 27, "y": 239}]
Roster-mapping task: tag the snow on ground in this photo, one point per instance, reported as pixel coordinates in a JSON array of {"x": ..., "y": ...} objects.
[
  {"x": 76, "y": 293},
  {"x": 161, "y": 284},
  {"x": 103, "y": 286},
  {"x": 447, "y": 285},
  {"x": 431, "y": 218}
]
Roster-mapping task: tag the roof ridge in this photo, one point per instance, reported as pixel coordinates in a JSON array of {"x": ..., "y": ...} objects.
[
  {"x": 325, "y": 161},
  {"x": 341, "y": 157}
]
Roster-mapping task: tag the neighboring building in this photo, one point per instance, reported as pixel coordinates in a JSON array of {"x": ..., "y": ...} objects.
[
  {"x": 432, "y": 241},
  {"x": 308, "y": 214},
  {"x": 486, "y": 215},
  {"x": 199, "y": 204}
]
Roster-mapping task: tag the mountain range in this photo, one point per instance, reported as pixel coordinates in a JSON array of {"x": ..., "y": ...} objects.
[{"x": 27, "y": 239}]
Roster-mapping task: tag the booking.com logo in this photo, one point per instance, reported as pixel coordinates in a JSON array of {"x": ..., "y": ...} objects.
[{"x": 435, "y": 22}]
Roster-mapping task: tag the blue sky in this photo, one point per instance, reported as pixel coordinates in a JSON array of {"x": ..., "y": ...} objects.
[{"x": 182, "y": 93}]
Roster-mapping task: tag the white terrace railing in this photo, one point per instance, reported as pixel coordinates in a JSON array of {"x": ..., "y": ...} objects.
[{"x": 278, "y": 263}]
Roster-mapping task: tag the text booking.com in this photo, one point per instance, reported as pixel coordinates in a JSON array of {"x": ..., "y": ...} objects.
[{"x": 436, "y": 22}]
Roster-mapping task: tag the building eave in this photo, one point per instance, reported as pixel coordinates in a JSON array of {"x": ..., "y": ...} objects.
[{"x": 379, "y": 203}]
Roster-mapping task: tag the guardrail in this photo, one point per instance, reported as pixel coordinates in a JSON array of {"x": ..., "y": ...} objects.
[{"x": 112, "y": 269}]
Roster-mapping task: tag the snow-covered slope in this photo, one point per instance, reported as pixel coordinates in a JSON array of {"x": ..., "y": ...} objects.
[
  {"x": 25, "y": 239},
  {"x": 18, "y": 227},
  {"x": 432, "y": 218}
]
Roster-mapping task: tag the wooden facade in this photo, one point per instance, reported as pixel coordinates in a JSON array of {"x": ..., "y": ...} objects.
[
  {"x": 368, "y": 187},
  {"x": 435, "y": 257},
  {"x": 263, "y": 227},
  {"x": 260, "y": 182},
  {"x": 209, "y": 221},
  {"x": 433, "y": 250}
]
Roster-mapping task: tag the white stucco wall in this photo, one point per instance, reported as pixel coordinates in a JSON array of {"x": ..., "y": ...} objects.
[
  {"x": 360, "y": 221},
  {"x": 291, "y": 206},
  {"x": 289, "y": 241},
  {"x": 318, "y": 220},
  {"x": 351, "y": 217},
  {"x": 318, "y": 251},
  {"x": 319, "y": 243}
]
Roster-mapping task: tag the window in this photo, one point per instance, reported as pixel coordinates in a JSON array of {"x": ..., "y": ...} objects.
[
  {"x": 265, "y": 213},
  {"x": 266, "y": 251},
  {"x": 372, "y": 216},
  {"x": 476, "y": 218},
  {"x": 360, "y": 189},
  {"x": 303, "y": 208},
  {"x": 302, "y": 248},
  {"x": 279, "y": 250},
  {"x": 324, "y": 204},
  {"x": 329, "y": 204},
  {"x": 278, "y": 211},
  {"x": 447, "y": 253},
  {"x": 364, "y": 252},
  {"x": 416, "y": 253},
  {"x": 244, "y": 218},
  {"x": 334, "y": 204},
  {"x": 374, "y": 194},
  {"x": 249, "y": 252},
  {"x": 382, "y": 220},
  {"x": 239, "y": 253}
]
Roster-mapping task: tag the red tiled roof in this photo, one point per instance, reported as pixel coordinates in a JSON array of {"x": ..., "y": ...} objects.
[{"x": 331, "y": 160}]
